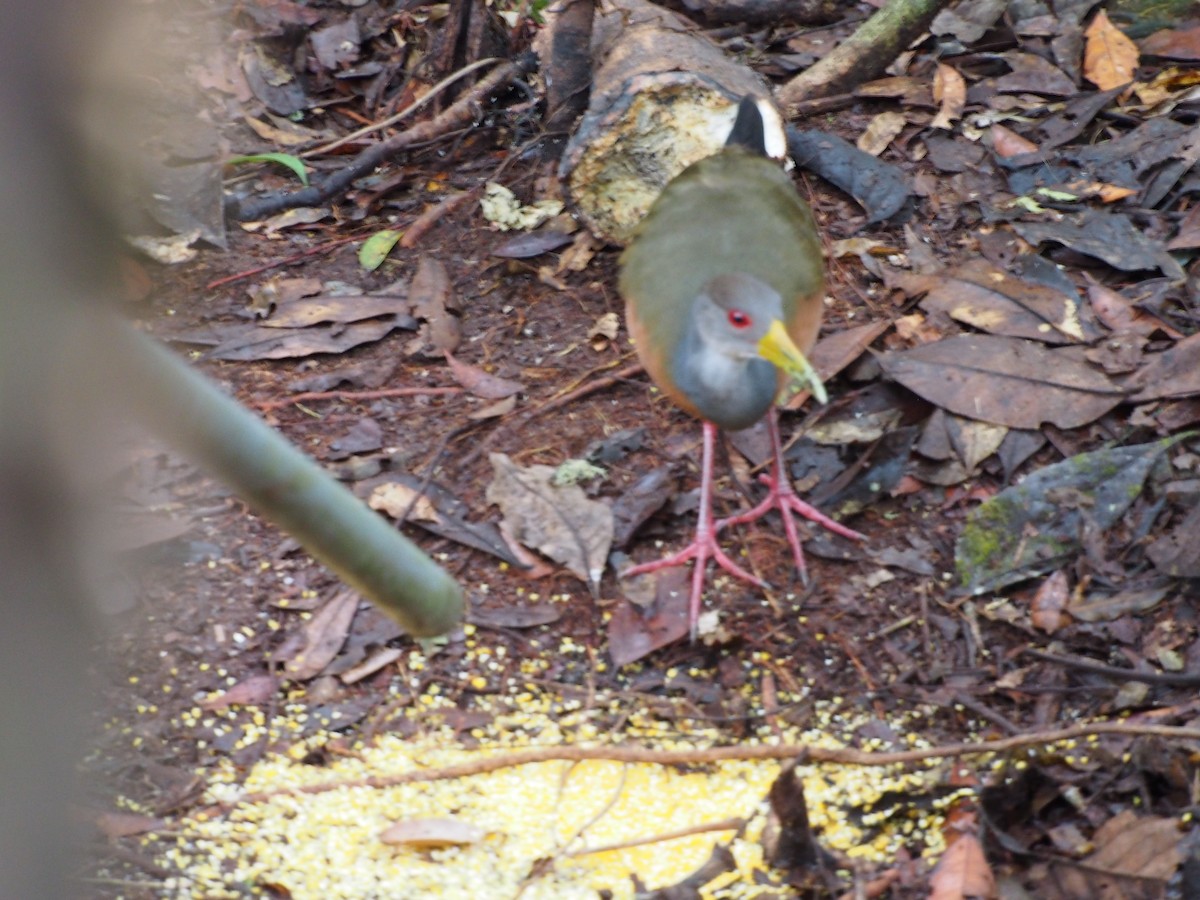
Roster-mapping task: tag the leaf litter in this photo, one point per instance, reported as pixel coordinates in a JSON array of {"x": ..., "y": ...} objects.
[{"x": 918, "y": 642}]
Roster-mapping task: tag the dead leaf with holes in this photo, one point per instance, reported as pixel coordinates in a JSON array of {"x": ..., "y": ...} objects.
[
  {"x": 1135, "y": 856},
  {"x": 987, "y": 298},
  {"x": 559, "y": 521}
]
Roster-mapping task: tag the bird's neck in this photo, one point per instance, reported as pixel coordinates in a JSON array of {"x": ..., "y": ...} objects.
[{"x": 730, "y": 392}]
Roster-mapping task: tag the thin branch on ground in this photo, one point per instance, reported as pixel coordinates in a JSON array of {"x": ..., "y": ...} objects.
[
  {"x": 1176, "y": 679},
  {"x": 402, "y": 114},
  {"x": 802, "y": 753},
  {"x": 723, "y": 825},
  {"x": 426, "y": 220},
  {"x": 359, "y": 396},
  {"x": 285, "y": 261},
  {"x": 572, "y": 393}
]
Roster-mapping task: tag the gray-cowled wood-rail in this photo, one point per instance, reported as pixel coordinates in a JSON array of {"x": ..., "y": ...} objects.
[{"x": 724, "y": 288}]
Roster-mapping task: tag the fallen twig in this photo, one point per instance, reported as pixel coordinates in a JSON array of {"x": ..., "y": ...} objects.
[
  {"x": 723, "y": 825},
  {"x": 402, "y": 114},
  {"x": 426, "y": 220},
  {"x": 285, "y": 261},
  {"x": 1178, "y": 679},
  {"x": 802, "y": 753},
  {"x": 359, "y": 395}
]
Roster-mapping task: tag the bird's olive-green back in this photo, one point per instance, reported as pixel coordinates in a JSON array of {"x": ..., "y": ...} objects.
[{"x": 732, "y": 212}]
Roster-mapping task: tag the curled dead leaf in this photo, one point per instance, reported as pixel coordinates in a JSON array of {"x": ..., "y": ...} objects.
[{"x": 432, "y": 833}]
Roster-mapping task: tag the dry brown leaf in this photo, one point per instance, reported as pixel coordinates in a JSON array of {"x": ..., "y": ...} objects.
[
  {"x": 1145, "y": 847},
  {"x": 950, "y": 90},
  {"x": 432, "y": 301},
  {"x": 1046, "y": 611},
  {"x": 880, "y": 132},
  {"x": 397, "y": 499},
  {"x": 290, "y": 135},
  {"x": 253, "y": 691},
  {"x": 1173, "y": 373},
  {"x": 253, "y": 342},
  {"x": 480, "y": 383},
  {"x": 1111, "y": 193},
  {"x": 579, "y": 255},
  {"x": 1174, "y": 43},
  {"x": 974, "y": 441},
  {"x": 1115, "y": 311},
  {"x": 323, "y": 636},
  {"x": 494, "y": 410},
  {"x": 836, "y": 351},
  {"x": 121, "y": 824},
  {"x": 559, "y": 521},
  {"x": 991, "y": 300},
  {"x": 915, "y": 328},
  {"x": 304, "y": 313},
  {"x": 607, "y": 326},
  {"x": 1005, "y": 381},
  {"x": 1109, "y": 57},
  {"x": 1108, "y": 608},
  {"x": 962, "y": 872},
  {"x": 385, "y": 656},
  {"x": 1007, "y": 142}
]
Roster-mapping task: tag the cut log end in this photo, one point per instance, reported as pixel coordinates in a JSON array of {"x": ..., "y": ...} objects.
[{"x": 620, "y": 166}]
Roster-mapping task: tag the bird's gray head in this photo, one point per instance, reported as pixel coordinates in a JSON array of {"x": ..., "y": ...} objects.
[{"x": 733, "y": 312}]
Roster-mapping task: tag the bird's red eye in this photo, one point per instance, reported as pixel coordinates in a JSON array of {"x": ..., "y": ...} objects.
[{"x": 738, "y": 319}]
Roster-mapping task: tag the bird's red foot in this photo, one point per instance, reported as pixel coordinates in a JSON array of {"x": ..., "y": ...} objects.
[
  {"x": 701, "y": 550},
  {"x": 705, "y": 546},
  {"x": 781, "y": 496}
]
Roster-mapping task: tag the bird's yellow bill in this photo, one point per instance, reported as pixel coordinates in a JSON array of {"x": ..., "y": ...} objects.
[{"x": 777, "y": 346}]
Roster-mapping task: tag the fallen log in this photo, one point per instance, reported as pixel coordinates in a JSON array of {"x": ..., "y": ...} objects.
[{"x": 663, "y": 96}]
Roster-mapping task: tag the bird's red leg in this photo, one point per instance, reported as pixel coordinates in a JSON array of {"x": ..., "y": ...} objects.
[
  {"x": 704, "y": 547},
  {"x": 782, "y": 496}
]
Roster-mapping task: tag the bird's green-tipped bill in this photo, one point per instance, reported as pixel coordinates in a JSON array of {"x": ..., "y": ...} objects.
[{"x": 776, "y": 346}]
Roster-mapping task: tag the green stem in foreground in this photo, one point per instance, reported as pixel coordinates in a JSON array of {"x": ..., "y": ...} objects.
[{"x": 280, "y": 482}]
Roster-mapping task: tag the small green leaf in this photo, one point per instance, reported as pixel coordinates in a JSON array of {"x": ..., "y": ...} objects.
[
  {"x": 284, "y": 159},
  {"x": 1061, "y": 196},
  {"x": 1028, "y": 204},
  {"x": 376, "y": 248}
]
